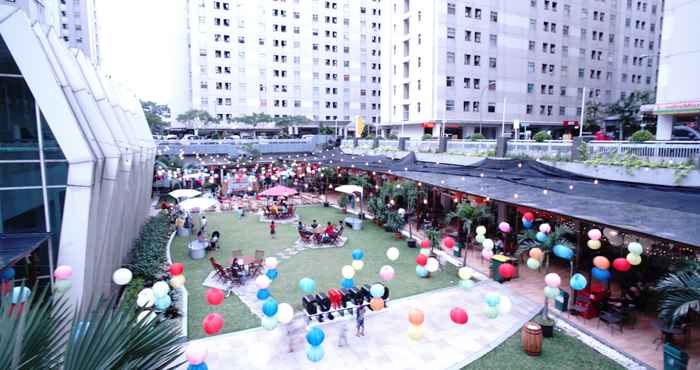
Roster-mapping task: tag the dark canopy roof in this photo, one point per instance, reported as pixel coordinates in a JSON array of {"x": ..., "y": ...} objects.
[
  {"x": 14, "y": 247},
  {"x": 666, "y": 212}
]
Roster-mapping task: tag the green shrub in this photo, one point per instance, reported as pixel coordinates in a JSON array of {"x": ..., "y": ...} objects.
[
  {"x": 148, "y": 256},
  {"x": 427, "y": 137},
  {"x": 343, "y": 201},
  {"x": 542, "y": 136},
  {"x": 393, "y": 137},
  {"x": 642, "y": 136},
  {"x": 131, "y": 292},
  {"x": 477, "y": 136}
]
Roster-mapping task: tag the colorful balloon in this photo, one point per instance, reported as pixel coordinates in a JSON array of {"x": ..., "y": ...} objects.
[
  {"x": 195, "y": 353},
  {"x": 358, "y": 254},
  {"x": 504, "y": 306},
  {"x": 269, "y": 308},
  {"x": 425, "y": 243},
  {"x": 504, "y": 227},
  {"x": 392, "y": 253},
  {"x": 480, "y": 230},
  {"x": 459, "y": 316},
  {"x": 176, "y": 268},
  {"x": 285, "y": 313},
  {"x": 480, "y": 238},
  {"x": 63, "y": 272},
  {"x": 621, "y": 264},
  {"x": 162, "y": 303},
  {"x": 263, "y": 294},
  {"x": 488, "y": 244},
  {"x": 315, "y": 336},
  {"x": 533, "y": 264},
  {"x": 432, "y": 265},
  {"x": 307, "y": 285},
  {"x": 177, "y": 281},
  {"x": 348, "y": 272},
  {"x": 527, "y": 224},
  {"x": 386, "y": 273},
  {"x": 552, "y": 280},
  {"x": 271, "y": 262},
  {"x": 214, "y": 296},
  {"x": 213, "y": 323},
  {"x": 146, "y": 298},
  {"x": 578, "y": 282},
  {"x": 545, "y": 228},
  {"x": 415, "y": 332},
  {"x": 599, "y": 274},
  {"x": 634, "y": 259},
  {"x": 465, "y": 273},
  {"x": 268, "y": 322},
  {"x": 563, "y": 251},
  {"x": 486, "y": 254},
  {"x": 466, "y": 284},
  {"x": 421, "y": 271},
  {"x": 262, "y": 282},
  {"x": 594, "y": 234},
  {"x": 314, "y": 353},
  {"x": 448, "y": 242},
  {"x": 541, "y": 236},
  {"x": 416, "y": 316},
  {"x": 123, "y": 276},
  {"x": 376, "y": 304},
  {"x": 529, "y": 216},
  {"x": 421, "y": 260},
  {"x": 506, "y": 270},
  {"x": 594, "y": 244},
  {"x": 160, "y": 289},
  {"x": 551, "y": 292},
  {"x": 272, "y": 274},
  {"x": 376, "y": 290},
  {"x": 635, "y": 248},
  {"x": 492, "y": 299},
  {"x": 357, "y": 265},
  {"x": 601, "y": 262},
  {"x": 491, "y": 312},
  {"x": 536, "y": 253}
]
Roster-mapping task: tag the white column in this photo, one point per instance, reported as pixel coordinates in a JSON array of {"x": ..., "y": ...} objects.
[{"x": 664, "y": 125}]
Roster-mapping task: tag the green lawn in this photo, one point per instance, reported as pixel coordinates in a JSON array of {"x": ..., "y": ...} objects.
[
  {"x": 559, "y": 352},
  {"x": 323, "y": 266}
]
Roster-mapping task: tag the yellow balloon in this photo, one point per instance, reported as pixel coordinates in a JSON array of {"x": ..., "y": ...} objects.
[
  {"x": 348, "y": 272},
  {"x": 480, "y": 230},
  {"x": 465, "y": 273},
  {"x": 634, "y": 259},
  {"x": 415, "y": 332},
  {"x": 593, "y": 244},
  {"x": 358, "y": 265},
  {"x": 177, "y": 281}
]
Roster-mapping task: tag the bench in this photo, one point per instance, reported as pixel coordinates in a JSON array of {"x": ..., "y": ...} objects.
[{"x": 353, "y": 222}]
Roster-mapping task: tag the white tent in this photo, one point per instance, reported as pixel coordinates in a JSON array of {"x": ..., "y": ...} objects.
[
  {"x": 350, "y": 190},
  {"x": 201, "y": 203},
  {"x": 184, "y": 193}
]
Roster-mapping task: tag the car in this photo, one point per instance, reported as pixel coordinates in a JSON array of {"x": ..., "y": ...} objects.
[
  {"x": 170, "y": 137},
  {"x": 685, "y": 133},
  {"x": 191, "y": 138},
  {"x": 234, "y": 137}
]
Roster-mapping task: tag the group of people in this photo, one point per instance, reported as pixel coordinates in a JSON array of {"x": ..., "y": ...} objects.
[
  {"x": 277, "y": 208},
  {"x": 322, "y": 233}
]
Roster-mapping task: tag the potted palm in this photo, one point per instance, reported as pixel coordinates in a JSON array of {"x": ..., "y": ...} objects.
[
  {"x": 394, "y": 223},
  {"x": 679, "y": 294},
  {"x": 469, "y": 216},
  {"x": 528, "y": 239},
  {"x": 343, "y": 202}
]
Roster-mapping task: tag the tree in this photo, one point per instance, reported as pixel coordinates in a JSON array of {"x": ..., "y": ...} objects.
[
  {"x": 254, "y": 119},
  {"x": 469, "y": 215},
  {"x": 156, "y": 114},
  {"x": 286, "y": 121},
  {"x": 627, "y": 108},
  {"x": 595, "y": 112},
  {"x": 196, "y": 119},
  {"x": 680, "y": 294},
  {"x": 528, "y": 239}
]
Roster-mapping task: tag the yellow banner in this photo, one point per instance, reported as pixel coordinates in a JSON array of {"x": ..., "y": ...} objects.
[{"x": 359, "y": 126}]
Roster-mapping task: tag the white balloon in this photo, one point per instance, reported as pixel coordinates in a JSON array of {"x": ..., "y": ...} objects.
[
  {"x": 145, "y": 298},
  {"x": 488, "y": 244},
  {"x": 480, "y": 230},
  {"x": 348, "y": 272},
  {"x": 358, "y": 265},
  {"x": 432, "y": 265},
  {"x": 392, "y": 253},
  {"x": 285, "y": 313},
  {"x": 271, "y": 262},
  {"x": 160, "y": 289},
  {"x": 262, "y": 282},
  {"x": 122, "y": 276},
  {"x": 504, "y": 306}
]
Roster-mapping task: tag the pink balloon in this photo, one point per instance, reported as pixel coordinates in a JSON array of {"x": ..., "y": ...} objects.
[
  {"x": 504, "y": 227},
  {"x": 63, "y": 272},
  {"x": 552, "y": 280},
  {"x": 594, "y": 234},
  {"x": 386, "y": 273},
  {"x": 487, "y": 254},
  {"x": 545, "y": 228},
  {"x": 196, "y": 353}
]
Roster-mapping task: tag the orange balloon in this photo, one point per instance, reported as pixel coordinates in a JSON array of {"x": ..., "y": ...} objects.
[
  {"x": 376, "y": 304},
  {"x": 536, "y": 253},
  {"x": 416, "y": 317},
  {"x": 601, "y": 262}
]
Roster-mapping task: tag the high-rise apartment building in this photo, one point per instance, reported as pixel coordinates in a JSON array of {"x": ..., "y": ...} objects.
[
  {"x": 78, "y": 25},
  {"x": 457, "y": 65},
  {"x": 319, "y": 59}
]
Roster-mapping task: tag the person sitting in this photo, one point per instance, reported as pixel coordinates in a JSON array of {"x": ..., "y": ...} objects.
[
  {"x": 330, "y": 230},
  {"x": 314, "y": 224},
  {"x": 214, "y": 241},
  {"x": 300, "y": 226}
]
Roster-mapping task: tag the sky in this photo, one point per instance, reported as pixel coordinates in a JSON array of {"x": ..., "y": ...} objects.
[{"x": 143, "y": 45}]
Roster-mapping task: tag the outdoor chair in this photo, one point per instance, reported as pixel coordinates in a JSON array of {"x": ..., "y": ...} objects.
[
  {"x": 221, "y": 273},
  {"x": 336, "y": 237},
  {"x": 305, "y": 237}
]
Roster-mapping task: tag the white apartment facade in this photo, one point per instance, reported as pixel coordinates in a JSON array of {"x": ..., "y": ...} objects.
[
  {"x": 313, "y": 58},
  {"x": 78, "y": 25},
  {"x": 452, "y": 64}
]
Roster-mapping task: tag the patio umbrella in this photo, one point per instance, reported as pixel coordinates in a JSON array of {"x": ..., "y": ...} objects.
[
  {"x": 201, "y": 203},
  {"x": 351, "y": 189},
  {"x": 184, "y": 193},
  {"x": 278, "y": 191}
]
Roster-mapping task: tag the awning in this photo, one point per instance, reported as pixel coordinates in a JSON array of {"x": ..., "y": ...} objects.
[
  {"x": 14, "y": 247},
  {"x": 428, "y": 124},
  {"x": 278, "y": 191},
  {"x": 688, "y": 107},
  {"x": 453, "y": 126}
]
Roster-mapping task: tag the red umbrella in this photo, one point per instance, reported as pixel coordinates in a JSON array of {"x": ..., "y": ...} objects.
[{"x": 278, "y": 191}]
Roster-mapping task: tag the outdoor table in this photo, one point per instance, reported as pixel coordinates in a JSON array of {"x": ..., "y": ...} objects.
[
  {"x": 247, "y": 260},
  {"x": 354, "y": 222},
  {"x": 667, "y": 332},
  {"x": 610, "y": 319}
]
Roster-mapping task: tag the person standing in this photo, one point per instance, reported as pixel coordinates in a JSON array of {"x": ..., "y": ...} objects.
[
  {"x": 360, "y": 317},
  {"x": 203, "y": 221},
  {"x": 343, "y": 335},
  {"x": 272, "y": 229}
]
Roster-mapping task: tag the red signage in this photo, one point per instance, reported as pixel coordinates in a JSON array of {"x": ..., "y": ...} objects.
[{"x": 570, "y": 123}]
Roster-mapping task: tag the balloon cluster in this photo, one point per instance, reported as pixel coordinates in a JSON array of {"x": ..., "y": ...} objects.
[
  {"x": 634, "y": 257},
  {"x": 62, "y": 275},
  {"x": 487, "y": 251},
  {"x": 315, "y": 338},
  {"x": 177, "y": 278},
  {"x": 271, "y": 267},
  {"x": 160, "y": 293},
  {"x": 553, "y": 281},
  {"x": 594, "y": 236},
  {"x": 528, "y": 219},
  {"x": 497, "y": 305},
  {"x": 196, "y": 354},
  {"x": 6, "y": 277},
  {"x": 269, "y": 309},
  {"x": 541, "y": 235},
  {"x": 600, "y": 271},
  {"x": 535, "y": 260},
  {"x": 465, "y": 277},
  {"x": 424, "y": 263},
  {"x": 415, "y": 318},
  {"x": 348, "y": 271},
  {"x": 377, "y": 292}
]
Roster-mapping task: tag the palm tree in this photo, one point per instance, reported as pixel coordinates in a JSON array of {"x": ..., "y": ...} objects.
[
  {"x": 527, "y": 240},
  {"x": 47, "y": 334},
  {"x": 680, "y": 294},
  {"x": 469, "y": 215}
]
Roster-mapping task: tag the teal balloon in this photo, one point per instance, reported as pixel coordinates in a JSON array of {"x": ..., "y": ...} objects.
[
  {"x": 20, "y": 294},
  {"x": 491, "y": 312},
  {"x": 480, "y": 238},
  {"x": 466, "y": 284},
  {"x": 263, "y": 294},
  {"x": 61, "y": 286},
  {"x": 578, "y": 282},
  {"x": 163, "y": 302},
  {"x": 533, "y": 263},
  {"x": 269, "y": 308},
  {"x": 272, "y": 274},
  {"x": 377, "y": 290},
  {"x": 421, "y": 271},
  {"x": 551, "y": 292},
  {"x": 541, "y": 237},
  {"x": 493, "y": 299},
  {"x": 527, "y": 224},
  {"x": 307, "y": 285},
  {"x": 314, "y": 353},
  {"x": 315, "y": 336},
  {"x": 358, "y": 254},
  {"x": 269, "y": 323},
  {"x": 563, "y": 251},
  {"x": 425, "y": 251}
]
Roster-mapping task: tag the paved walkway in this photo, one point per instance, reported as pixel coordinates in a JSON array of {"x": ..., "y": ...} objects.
[{"x": 386, "y": 345}]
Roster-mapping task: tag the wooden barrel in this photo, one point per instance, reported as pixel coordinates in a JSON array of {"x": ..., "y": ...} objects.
[{"x": 532, "y": 339}]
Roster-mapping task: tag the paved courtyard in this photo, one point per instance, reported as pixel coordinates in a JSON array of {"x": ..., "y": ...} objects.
[{"x": 386, "y": 345}]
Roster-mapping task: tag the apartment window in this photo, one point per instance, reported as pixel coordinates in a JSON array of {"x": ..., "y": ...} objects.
[
  {"x": 467, "y": 35},
  {"x": 450, "y": 57},
  {"x": 467, "y": 82},
  {"x": 492, "y": 62},
  {"x": 531, "y": 67},
  {"x": 494, "y": 16},
  {"x": 581, "y": 73},
  {"x": 493, "y": 40},
  {"x": 449, "y": 105},
  {"x": 533, "y": 24},
  {"x": 451, "y": 8},
  {"x": 477, "y": 13},
  {"x": 451, "y": 33},
  {"x": 468, "y": 11},
  {"x": 477, "y": 60},
  {"x": 450, "y": 81},
  {"x": 477, "y": 83},
  {"x": 491, "y": 108},
  {"x": 465, "y": 106},
  {"x": 562, "y": 111},
  {"x": 565, "y": 30},
  {"x": 475, "y": 106},
  {"x": 467, "y": 59},
  {"x": 531, "y": 45},
  {"x": 492, "y": 85},
  {"x": 528, "y": 109},
  {"x": 530, "y": 88},
  {"x": 562, "y": 91},
  {"x": 477, "y": 37}
]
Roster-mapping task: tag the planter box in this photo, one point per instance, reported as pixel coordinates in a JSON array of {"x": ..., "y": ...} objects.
[
  {"x": 411, "y": 243},
  {"x": 547, "y": 331},
  {"x": 655, "y": 176}
]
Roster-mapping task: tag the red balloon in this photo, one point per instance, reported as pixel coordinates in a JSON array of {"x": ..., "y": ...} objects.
[
  {"x": 448, "y": 242},
  {"x": 176, "y": 268},
  {"x": 213, "y": 323},
  {"x": 621, "y": 264},
  {"x": 529, "y": 216},
  {"x": 422, "y": 259},
  {"x": 215, "y": 296},
  {"x": 459, "y": 316},
  {"x": 506, "y": 270},
  {"x": 425, "y": 243}
]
